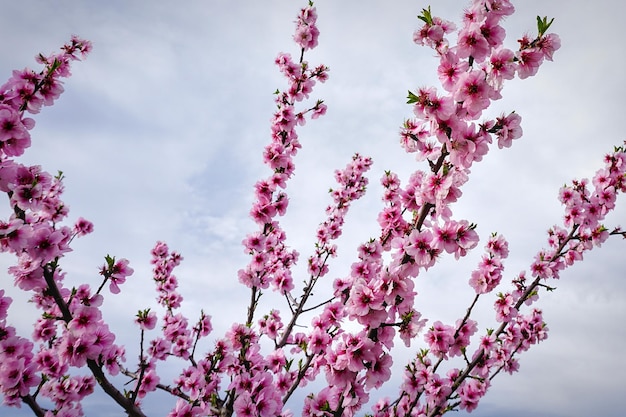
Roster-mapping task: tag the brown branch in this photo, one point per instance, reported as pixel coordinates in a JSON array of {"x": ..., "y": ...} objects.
[
  {"x": 301, "y": 373},
  {"x": 529, "y": 290},
  {"x": 32, "y": 403},
  {"x": 131, "y": 408},
  {"x": 308, "y": 290}
]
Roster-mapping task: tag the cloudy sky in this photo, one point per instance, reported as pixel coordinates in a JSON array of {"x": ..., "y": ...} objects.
[{"x": 160, "y": 134}]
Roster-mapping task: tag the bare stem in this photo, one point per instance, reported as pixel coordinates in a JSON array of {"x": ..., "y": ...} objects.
[
  {"x": 254, "y": 299},
  {"x": 34, "y": 406}
]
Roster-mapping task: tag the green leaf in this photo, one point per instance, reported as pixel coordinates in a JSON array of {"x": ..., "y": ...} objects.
[
  {"x": 412, "y": 98},
  {"x": 110, "y": 260},
  {"x": 426, "y": 16},
  {"x": 543, "y": 25}
]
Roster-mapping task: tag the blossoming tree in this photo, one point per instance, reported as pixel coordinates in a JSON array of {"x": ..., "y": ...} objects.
[{"x": 344, "y": 339}]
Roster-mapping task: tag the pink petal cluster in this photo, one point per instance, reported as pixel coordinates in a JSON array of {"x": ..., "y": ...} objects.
[
  {"x": 306, "y": 31},
  {"x": 270, "y": 258},
  {"x": 71, "y": 332}
]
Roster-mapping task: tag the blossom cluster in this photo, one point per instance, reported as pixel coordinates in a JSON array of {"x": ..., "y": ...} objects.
[
  {"x": 270, "y": 259},
  {"x": 70, "y": 332},
  {"x": 446, "y": 134}
]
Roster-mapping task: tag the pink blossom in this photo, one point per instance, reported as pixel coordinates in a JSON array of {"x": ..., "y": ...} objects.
[
  {"x": 548, "y": 45},
  {"x": 306, "y": 32},
  {"x": 499, "y": 8},
  {"x": 420, "y": 249},
  {"x": 28, "y": 275},
  {"x": 84, "y": 296},
  {"x": 271, "y": 324},
  {"x": 159, "y": 348},
  {"x": 17, "y": 377},
  {"x": 508, "y": 129},
  {"x": 148, "y": 383},
  {"x": 471, "y": 392},
  {"x": 466, "y": 237},
  {"x": 500, "y": 67},
  {"x": 204, "y": 327},
  {"x": 505, "y": 307},
  {"x": 287, "y": 66},
  {"x": 317, "y": 405},
  {"x": 5, "y": 302},
  {"x": 462, "y": 337},
  {"x": 83, "y": 227},
  {"x": 47, "y": 243},
  {"x": 16, "y": 347},
  {"x": 429, "y": 105},
  {"x": 450, "y": 70},
  {"x": 116, "y": 273},
  {"x": 14, "y": 134},
  {"x": 492, "y": 32},
  {"x": 472, "y": 43},
  {"x": 439, "y": 338},
  {"x": 529, "y": 61},
  {"x": 473, "y": 91},
  {"x": 437, "y": 390},
  {"x": 146, "y": 319},
  {"x": 75, "y": 350},
  {"x": 319, "y": 110},
  {"x": 319, "y": 340},
  {"x": 103, "y": 341},
  {"x": 85, "y": 319},
  {"x": 432, "y": 34},
  {"x": 352, "y": 353},
  {"x": 363, "y": 299},
  {"x": 48, "y": 362},
  {"x": 379, "y": 372},
  {"x": 498, "y": 246},
  {"x": 487, "y": 276},
  {"x": 185, "y": 409}
]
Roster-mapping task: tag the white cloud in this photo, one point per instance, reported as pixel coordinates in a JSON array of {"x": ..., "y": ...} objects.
[{"x": 160, "y": 133}]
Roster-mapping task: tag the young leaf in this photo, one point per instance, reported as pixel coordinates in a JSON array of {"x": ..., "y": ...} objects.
[
  {"x": 543, "y": 25},
  {"x": 426, "y": 17}
]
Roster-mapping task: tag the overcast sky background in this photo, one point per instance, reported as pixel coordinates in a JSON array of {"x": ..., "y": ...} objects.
[{"x": 160, "y": 134}]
